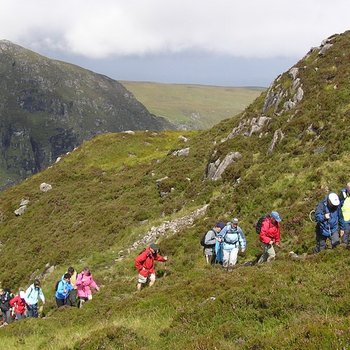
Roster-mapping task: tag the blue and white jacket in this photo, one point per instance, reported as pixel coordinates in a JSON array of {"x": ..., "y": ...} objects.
[
  {"x": 63, "y": 289},
  {"x": 232, "y": 237},
  {"x": 327, "y": 227},
  {"x": 33, "y": 294}
]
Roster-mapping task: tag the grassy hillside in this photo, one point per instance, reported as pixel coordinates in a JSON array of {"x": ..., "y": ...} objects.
[
  {"x": 104, "y": 192},
  {"x": 192, "y": 106}
]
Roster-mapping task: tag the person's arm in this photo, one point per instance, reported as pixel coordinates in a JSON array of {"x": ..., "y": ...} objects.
[
  {"x": 320, "y": 213},
  {"x": 242, "y": 240},
  {"x": 79, "y": 281},
  {"x": 94, "y": 285},
  {"x": 41, "y": 295},
  {"x": 210, "y": 238},
  {"x": 14, "y": 301},
  {"x": 158, "y": 257}
]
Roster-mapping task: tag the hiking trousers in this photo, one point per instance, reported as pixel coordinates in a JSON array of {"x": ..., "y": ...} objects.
[
  {"x": 268, "y": 254},
  {"x": 346, "y": 233},
  {"x": 321, "y": 241},
  {"x": 230, "y": 257}
]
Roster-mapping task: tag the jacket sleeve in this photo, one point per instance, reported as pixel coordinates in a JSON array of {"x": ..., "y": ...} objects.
[
  {"x": 79, "y": 280},
  {"x": 158, "y": 257},
  {"x": 93, "y": 284},
  {"x": 341, "y": 219},
  {"x": 14, "y": 300},
  {"x": 242, "y": 239},
  {"x": 41, "y": 295},
  {"x": 278, "y": 237},
  {"x": 264, "y": 233},
  {"x": 140, "y": 259},
  {"x": 210, "y": 238},
  {"x": 60, "y": 288},
  {"x": 222, "y": 233},
  {"x": 320, "y": 212}
]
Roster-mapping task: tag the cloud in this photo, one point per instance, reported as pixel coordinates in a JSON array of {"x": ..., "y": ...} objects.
[{"x": 106, "y": 28}]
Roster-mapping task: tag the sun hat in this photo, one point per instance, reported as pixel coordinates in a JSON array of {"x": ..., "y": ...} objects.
[
  {"x": 334, "y": 199},
  {"x": 276, "y": 216}
]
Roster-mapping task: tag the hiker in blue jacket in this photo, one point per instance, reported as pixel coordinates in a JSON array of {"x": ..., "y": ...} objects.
[
  {"x": 33, "y": 293},
  {"x": 63, "y": 289},
  {"x": 210, "y": 240},
  {"x": 233, "y": 239},
  {"x": 329, "y": 221}
]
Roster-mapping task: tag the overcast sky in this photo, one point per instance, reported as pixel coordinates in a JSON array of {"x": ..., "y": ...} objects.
[{"x": 221, "y": 42}]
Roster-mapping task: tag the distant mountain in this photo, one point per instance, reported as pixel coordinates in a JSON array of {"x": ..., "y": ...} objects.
[{"x": 48, "y": 107}]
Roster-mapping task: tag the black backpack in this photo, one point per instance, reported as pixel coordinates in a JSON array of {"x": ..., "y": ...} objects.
[
  {"x": 259, "y": 223},
  {"x": 202, "y": 241},
  {"x": 56, "y": 285}
]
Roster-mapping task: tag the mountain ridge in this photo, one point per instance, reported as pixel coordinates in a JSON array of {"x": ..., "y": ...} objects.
[{"x": 49, "y": 107}]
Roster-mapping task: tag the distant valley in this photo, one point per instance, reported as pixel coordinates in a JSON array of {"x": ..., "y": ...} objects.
[{"x": 193, "y": 106}]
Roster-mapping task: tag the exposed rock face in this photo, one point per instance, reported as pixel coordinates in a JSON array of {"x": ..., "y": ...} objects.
[
  {"x": 44, "y": 187},
  {"x": 216, "y": 169},
  {"x": 47, "y": 108},
  {"x": 181, "y": 152}
]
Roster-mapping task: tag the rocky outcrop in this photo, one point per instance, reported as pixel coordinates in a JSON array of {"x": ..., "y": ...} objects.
[
  {"x": 166, "y": 229},
  {"x": 217, "y": 168},
  {"x": 47, "y": 108},
  {"x": 181, "y": 152}
]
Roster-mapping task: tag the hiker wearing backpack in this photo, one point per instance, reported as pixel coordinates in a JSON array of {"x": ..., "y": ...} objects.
[
  {"x": 144, "y": 264},
  {"x": 270, "y": 235},
  {"x": 72, "y": 296},
  {"x": 84, "y": 284},
  {"x": 233, "y": 239},
  {"x": 5, "y": 297},
  {"x": 329, "y": 220},
  {"x": 344, "y": 198},
  {"x": 209, "y": 241},
  {"x": 63, "y": 289},
  {"x": 19, "y": 304},
  {"x": 32, "y": 295}
]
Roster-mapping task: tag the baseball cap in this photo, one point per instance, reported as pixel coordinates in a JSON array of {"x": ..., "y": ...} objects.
[
  {"x": 334, "y": 199},
  {"x": 276, "y": 216}
]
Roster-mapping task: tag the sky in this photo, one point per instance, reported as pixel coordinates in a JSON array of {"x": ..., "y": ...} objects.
[{"x": 215, "y": 42}]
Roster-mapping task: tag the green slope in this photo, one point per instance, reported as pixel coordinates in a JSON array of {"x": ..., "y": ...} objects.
[
  {"x": 103, "y": 193},
  {"x": 192, "y": 106}
]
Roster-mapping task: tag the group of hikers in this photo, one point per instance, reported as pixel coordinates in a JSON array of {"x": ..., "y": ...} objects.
[
  {"x": 72, "y": 290},
  {"x": 222, "y": 245},
  {"x": 223, "y": 242}
]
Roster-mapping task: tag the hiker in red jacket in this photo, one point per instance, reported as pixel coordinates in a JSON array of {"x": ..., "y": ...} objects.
[
  {"x": 270, "y": 235},
  {"x": 19, "y": 304},
  {"x": 144, "y": 263}
]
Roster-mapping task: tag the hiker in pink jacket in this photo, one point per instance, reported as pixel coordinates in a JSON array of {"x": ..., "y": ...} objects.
[{"x": 84, "y": 284}]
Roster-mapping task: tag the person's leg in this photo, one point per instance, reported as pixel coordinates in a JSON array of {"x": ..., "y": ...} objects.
[
  {"x": 271, "y": 254},
  {"x": 321, "y": 242},
  {"x": 264, "y": 255},
  {"x": 233, "y": 257},
  {"x": 226, "y": 257},
  {"x": 152, "y": 279},
  {"x": 19, "y": 316},
  {"x": 32, "y": 310},
  {"x": 60, "y": 302},
  {"x": 346, "y": 236},
  {"x": 72, "y": 298},
  {"x": 335, "y": 239},
  {"x": 141, "y": 281}
]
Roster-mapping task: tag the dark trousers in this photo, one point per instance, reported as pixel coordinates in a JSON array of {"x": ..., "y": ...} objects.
[
  {"x": 20, "y": 316},
  {"x": 346, "y": 236},
  {"x": 72, "y": 298},
  {"x": 6, "y": 316},
  {"x": 60, "y": 302},
  {"x": 32, "y": 310},
  {"x": 321, "y": 241}
]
